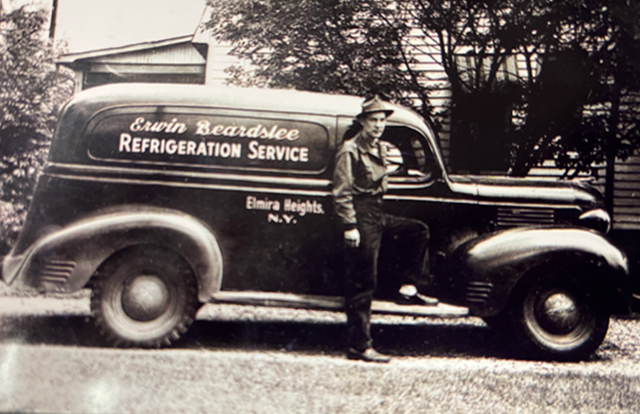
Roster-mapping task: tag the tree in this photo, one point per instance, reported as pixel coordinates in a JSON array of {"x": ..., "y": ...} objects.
[
  {"x": 476, "y": 43},
  {"x": 351, "y": 47},
  {"x": 594, "y": 119},
  {"x": 31, "y": 90}
]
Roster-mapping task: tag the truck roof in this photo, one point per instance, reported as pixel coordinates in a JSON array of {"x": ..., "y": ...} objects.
[
  {"x": 69, "y": 137},
  {"x": 279, "y": 100}
]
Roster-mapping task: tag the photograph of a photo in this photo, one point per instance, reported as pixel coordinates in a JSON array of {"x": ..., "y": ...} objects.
[{"x": 319, "y": 206}]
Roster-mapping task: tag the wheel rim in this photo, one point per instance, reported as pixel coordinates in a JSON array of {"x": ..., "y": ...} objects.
[
  {"x": 143, "y": 305},
  {"x": 558, "y": 313},
  {"x": 558, "y": 319},
  {"x": 145, "y": 297}
]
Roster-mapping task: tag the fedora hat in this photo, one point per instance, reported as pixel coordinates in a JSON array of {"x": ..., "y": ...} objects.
[{"x": 374, "y": 104}]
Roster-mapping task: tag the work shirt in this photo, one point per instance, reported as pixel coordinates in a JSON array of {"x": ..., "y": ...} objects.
[{"x": 361, "y": 170}]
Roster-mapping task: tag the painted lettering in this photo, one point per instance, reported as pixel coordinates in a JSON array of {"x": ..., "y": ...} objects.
[
  {"x": 281, "y": 134},
  {"x": 191, "y": 148},
  {"x": 254, "y": 203},
  {"x": 145, "y": 144},
  {"x": 172, "y": 146},
  {"x": 236, "y": 150},
  {"x": 202, "y": 148},
  {"x": 289, "y": 219},
  {"x": 182, "y": 147},
  {"x": 155, "y": 146},
  {"x": 173, "y": 127},
  {"x": 230, "y": 131},
  {"x": 292, "y": 135},
  {"x": 277, "y": 152},
  {"x": 218, "y": 130},
  {"x": 158, "y": 126},
  {"x": 125, "y": 141},
  {"x": 203, "y": 127},
  {"x": 304, "y": 154},
  {"x": 254, "y": 132},
  {"x": 135, "y": 126},
  {"x": 253, "y": 152},
  {"x": 135, "y": 147},
  {"x": 303, "y": 207}
]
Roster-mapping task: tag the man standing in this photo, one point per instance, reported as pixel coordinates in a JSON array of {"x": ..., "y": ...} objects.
[{"x": 359, "y": 183}]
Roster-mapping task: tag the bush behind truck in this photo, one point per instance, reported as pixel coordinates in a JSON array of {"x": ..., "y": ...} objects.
[{"x": 164, "y": 197}]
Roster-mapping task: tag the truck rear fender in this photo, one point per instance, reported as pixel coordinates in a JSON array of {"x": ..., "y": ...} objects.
[{"x": 65, "y": 259}]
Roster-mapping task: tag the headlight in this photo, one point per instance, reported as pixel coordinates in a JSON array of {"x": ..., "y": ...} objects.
[{"x": 598, "y": 220}]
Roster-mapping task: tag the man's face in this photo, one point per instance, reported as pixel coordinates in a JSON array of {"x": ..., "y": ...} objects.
[{"x": 373, "y": 125}]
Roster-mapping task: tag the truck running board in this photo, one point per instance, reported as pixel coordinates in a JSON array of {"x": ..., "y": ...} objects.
[{"x": 334, "y": 303}]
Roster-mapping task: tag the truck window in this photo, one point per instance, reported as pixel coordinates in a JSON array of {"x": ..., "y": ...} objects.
[{"x": 409, "y": 153}]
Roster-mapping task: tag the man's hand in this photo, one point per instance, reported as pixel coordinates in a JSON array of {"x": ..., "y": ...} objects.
[{"x": 352, "y": 238}]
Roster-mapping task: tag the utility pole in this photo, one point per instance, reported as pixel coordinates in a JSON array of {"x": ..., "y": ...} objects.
[{"x": 54, "y": 16}]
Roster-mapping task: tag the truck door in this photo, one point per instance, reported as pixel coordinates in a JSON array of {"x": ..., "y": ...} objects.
[{"x": 420, "y": 189}]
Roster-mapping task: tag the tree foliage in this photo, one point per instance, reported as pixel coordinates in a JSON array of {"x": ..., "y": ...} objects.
[
  {"x": 31, "y": 90},
  {"x": 476, "y": 43},
  {"x": 576, "y": 110},
  {"x": 587, "y": 115},
  {"x": 349, "y": 47}
]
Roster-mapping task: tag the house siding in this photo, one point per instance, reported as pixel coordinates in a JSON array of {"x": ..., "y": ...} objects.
[{"x": 626, "y": 201}]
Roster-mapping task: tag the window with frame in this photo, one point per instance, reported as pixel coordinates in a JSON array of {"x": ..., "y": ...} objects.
[{"x": 409, "y": 154}]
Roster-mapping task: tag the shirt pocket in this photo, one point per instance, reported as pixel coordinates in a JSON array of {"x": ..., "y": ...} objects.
[{"x": 364, "y": 175}]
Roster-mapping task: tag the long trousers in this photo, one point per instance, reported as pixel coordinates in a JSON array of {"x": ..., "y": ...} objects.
[{"x": 362, "y": 263}]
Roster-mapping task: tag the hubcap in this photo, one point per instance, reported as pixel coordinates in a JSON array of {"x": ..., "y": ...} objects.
[
  {"x": 558, "y": 314},
  {"x": 145, "y": 297}
]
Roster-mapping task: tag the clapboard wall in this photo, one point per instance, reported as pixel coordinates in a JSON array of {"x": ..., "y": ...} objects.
[{"x": 626, "y": 193}]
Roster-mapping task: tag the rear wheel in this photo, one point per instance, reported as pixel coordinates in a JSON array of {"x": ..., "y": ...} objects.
[
  {"x": 559, "y": 319},
  {"x": 146, "y": 296}
]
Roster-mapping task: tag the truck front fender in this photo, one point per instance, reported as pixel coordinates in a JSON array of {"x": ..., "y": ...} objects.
[
  {"x": 485, "y": 270},
  {"x": 65, "y": 259}
]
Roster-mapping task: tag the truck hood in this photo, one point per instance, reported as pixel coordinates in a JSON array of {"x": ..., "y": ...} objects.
[{"x": 525, "y": 189}]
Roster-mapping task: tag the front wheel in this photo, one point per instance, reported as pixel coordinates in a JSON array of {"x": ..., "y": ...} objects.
[
  {"x": 559, "y": 319},
  {"x": 144, "y": 297}
]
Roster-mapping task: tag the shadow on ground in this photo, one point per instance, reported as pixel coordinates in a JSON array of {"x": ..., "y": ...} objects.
[
  {"x": 448, "y": 340},
  {"x": 462, "y": 341}
]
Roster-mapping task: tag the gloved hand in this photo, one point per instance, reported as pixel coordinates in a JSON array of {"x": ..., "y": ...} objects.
[{"x": 352, "y": 238}]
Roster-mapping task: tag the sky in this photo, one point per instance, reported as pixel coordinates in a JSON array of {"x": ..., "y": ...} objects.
[{"x": 97, "y": 24}]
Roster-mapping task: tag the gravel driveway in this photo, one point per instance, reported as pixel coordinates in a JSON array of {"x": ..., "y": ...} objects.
[{"x": 283, "y": 360}]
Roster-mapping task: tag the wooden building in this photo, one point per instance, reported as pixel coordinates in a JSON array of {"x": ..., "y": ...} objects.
[{"x": 191, "y": 59}]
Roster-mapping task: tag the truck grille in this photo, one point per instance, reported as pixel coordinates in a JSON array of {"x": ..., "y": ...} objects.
[
  {"x": 478, "y": 292},
  {"x": 57, "y": 271},
  {"x": 518, "y": 217}
]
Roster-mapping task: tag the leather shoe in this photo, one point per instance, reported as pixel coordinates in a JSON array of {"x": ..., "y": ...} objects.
[
  {"x": 368, "y": 355},
  {"x": 417, "y": 299}
]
